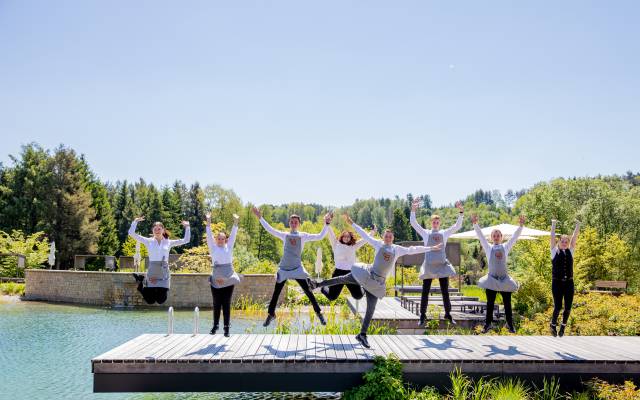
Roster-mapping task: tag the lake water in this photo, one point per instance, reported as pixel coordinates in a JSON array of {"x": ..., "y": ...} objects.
[{"x": 45, "y": 349}]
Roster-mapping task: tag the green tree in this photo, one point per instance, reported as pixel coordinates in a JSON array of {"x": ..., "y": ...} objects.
[{"x": 400, "y": 226}]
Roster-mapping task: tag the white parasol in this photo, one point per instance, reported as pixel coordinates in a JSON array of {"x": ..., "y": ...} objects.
[{"x": 507, "y": 231}]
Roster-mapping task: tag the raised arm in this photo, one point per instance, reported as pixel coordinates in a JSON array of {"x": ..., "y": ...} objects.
[
  {"x": 232, "y": 236},
  {"x": 312, "y": 237},
  {"x": 280, "y": 235},
  {"x": 362, "y": 242},
  {"x": 365, "y": 236},
  {"x": 135, "y": 236},
  {"x": 332, "y": 237},
  {"x": 414, "y": 221},
  {"x": 516, "y": 235},
  {"x": 483, "y": 241},
  {"x": 185, "y": 239},
  {"x": 454, "y": 228},
  {"x": 552, "y": 241},
  {"x": 210, "y": 242},
  {"x": 574, "y": 237}
]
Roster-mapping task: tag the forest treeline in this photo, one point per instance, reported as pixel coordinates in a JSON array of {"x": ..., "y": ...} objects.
[{"x": 54, "y": 195}]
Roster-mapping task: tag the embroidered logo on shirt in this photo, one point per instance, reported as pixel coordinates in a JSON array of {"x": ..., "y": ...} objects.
[
  {"x": 499, "y": 255},
  {"x": 386, "y": 256},
  {"x": 437, "y": 238},
  {"x": 293, "y": 241}
]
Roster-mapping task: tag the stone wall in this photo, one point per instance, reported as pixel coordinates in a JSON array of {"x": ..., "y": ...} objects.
[{"x": 119, "y": 288}]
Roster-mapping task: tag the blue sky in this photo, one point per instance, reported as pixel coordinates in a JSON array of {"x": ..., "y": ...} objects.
[{"x": 327, "y": 101}]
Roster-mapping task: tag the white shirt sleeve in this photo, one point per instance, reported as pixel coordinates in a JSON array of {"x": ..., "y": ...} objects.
[
  {"x": 232, "y": 237},
  {"x": 554, "y": 248},
  {"x": 312, "y": 237},
  {"x": 453, "y": 228},
  {"x": 483, "y": 241},
  {"x": 402, "y": 251},
  {"x": 332, "y": 237},
  {"x": 184, "y": 240},
  {"x": 416, "y": 225},
  {"x": 210, "y": 242},
  {"x": 513, "y": 240},
  {"x": 135, "y": 236},
  {"x": 365, "y": 236},
  {"x": 280, "y": 235}
]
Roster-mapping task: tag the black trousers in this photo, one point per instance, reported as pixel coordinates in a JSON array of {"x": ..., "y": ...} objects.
[
  {"x": 424, "y": 299},
  {"x": 153, "y": 294},
  {"x": 562, "y": 290},
  {"x": 372, "y": 300},
  {"x": 333, "y": 292},
  {"x": 305, "y": 288},
  {"x": 506, "y": 300},
  {"x": 222, "y": 302}
]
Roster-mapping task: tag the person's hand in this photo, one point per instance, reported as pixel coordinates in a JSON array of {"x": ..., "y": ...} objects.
[
  {"x": 347, "y": 219},
  {"x": 554, "y": 221},
  {"x": 139, "y": 219},
  {"x": 185, "y": 223},
  {"x": 474, "y": 219},
  {"x": 373, "y": 231},
  {"x": 256, "y": 212},
  {"x": 436, "y": 247},
  {"x": 415, "y": 204},
  {"x": 328, "y": 217},
  {"x": 521, "y": 220},
  {"x": 236, "y": 219},
  {"x": 459, "y": 206},
  {"x": 208, "y": 216}
]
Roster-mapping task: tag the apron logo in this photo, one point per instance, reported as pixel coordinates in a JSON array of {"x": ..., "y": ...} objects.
[
  {"x": 437, "y": 238},
  {"x": 386, "y": 256},
  {"x": 499, "y": 255},
  {"x": 292, "y": 241}
]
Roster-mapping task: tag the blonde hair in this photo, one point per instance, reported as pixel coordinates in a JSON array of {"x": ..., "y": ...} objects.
[{"x": 435, "y": 216}]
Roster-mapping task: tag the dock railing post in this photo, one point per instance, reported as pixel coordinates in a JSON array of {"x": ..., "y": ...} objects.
[
  {"x": 170, "y": 327},
  {"x": 196, "y": 320}
]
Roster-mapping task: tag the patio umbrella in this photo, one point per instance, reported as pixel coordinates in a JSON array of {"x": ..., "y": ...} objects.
[
  {"x": 52, "y": 254},
  {"x": 507, "y": 231},
  {"x": 318, "y": 265},
  {"x": 137, "y": 257}
]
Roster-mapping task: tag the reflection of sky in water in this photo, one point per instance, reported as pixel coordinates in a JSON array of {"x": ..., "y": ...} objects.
[{"x": 45, "y": 349}]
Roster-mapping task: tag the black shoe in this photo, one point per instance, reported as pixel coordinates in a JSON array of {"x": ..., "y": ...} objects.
[
  {"x": 423, "y": 320},
  {"x": 269, "y": 319},
  {"x": 312, "y": 284},
  {"x": 510, "y": 328},
  {"x": 321, "y": 318},
  {"x": 362, "y": 338},
  {"x": 138, "y": 277},
  {"x": 449, "y": 318},
  {"x": 226, "y": 331},
  {"x": 561, "y": 333},
  {"x": 486, "y": 328},
  {"x": 213, "y": 330},
  {"x": 554, "y": 331}
]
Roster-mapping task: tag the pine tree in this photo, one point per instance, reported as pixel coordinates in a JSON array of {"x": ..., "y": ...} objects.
[
  {"x": 400, "y": 226},
  {"x": 195, "y": 213}
]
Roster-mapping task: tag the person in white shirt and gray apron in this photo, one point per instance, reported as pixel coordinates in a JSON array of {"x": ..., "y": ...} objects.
[
  {"x": 223, "y": 278},
  {"x": 562, "y": 287},
  {"x": 290, "y": 266},
  {"x": 344, "y": 256},
  {"x": 435, "y": 265},
  {"x": 154, "y": 285},
  {"x": 497, "y": 279},
  {"x": 373, "y": 278}
]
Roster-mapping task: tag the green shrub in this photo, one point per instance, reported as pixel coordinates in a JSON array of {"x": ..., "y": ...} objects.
[
  {"x": 12, "y": 289},
  {"x": 34, "y": 247},
  {"x": 382, "y": 382}
]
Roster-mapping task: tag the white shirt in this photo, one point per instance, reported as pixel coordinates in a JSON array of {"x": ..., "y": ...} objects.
[
  {"x": 424, "y": 233},
  {"x": 304, "y": 236},
  {"x": 487, "y": 247},
  {"x": 344, "y": 255},
  {"x": 221, "y": 254},
  {"x": 398, "y": 250},
  {"x": 159, "y": 251}
]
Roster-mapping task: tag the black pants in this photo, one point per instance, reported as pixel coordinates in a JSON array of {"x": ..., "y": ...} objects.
[
  {"x": 222, "y": 301},
  {"x": 506, "y": 300},
  {"x": 305, "y": 288},
  {"x": 444, "y": 288},
  {"x": 334, "y": 291},
  {"x": 372, "y": 300},
  {"x": 153, "y": 294},
  {"x": 562, "y": 290}
]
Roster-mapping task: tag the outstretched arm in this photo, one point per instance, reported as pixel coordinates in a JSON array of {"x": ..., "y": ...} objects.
[
  {"x": 483, "y": 241},
  {"x": 553, "y": 234},
  {"x": 209, "y": 234},
  {"x": 402, "y": 251},
  {"x": 454, "y": 228},
  {"x": 185, "y": 239},
  {"x": 416, "y": 225},
  {"x": 365, "y": 236},
  {"x": 332, "y": 237},
  {"x": 516, "y": 235},
  {"x": 312, "y": 237},
  {"x": 574, "y": 237},
  {"x": 134, "y": 235},
  {"x": 362, "y": 242},
  {"x": 280, "y": 235}
]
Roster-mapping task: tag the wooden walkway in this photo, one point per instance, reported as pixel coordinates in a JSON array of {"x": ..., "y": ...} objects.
[{"x": 248, "y": 363}]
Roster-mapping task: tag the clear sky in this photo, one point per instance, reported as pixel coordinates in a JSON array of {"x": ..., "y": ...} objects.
[{"x": 327, "y": 101}]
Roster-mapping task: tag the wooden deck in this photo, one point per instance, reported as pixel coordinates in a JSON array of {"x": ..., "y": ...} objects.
[
  {"x": 389, "y": 311},
  {"x": 249, "y": 363}
]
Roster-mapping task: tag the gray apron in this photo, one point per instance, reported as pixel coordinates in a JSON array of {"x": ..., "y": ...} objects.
[
  {"x": 158, "y": 270},
  {"x": 498, "y": 278},
  {"x": 225, "y": 272},
  {"x": 435, "y": 263},
  {"x": 372, "y": 278},
  {"x": 290, "y": 266}
]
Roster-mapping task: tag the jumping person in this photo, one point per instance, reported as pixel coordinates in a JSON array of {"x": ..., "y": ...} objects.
[
  {"x": 290, "y": 266},
  {"x": 223, "y": 278},
  {"x": 435, "y": 265},
  {"x": 498, "y": 279},
  {"x": 562, "y": 286},
  {"x": 155, "y": 285},
  {"x": 373, "y": 278},
  {"x": 344, "y": 256}
]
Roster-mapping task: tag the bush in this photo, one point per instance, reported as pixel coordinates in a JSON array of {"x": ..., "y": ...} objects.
[
  {"x": 12, "y": 289},
  {"x": 383, "y": 382},
  {"x": 35, "y": 247},
  {"x": 607, "y": 391}
]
